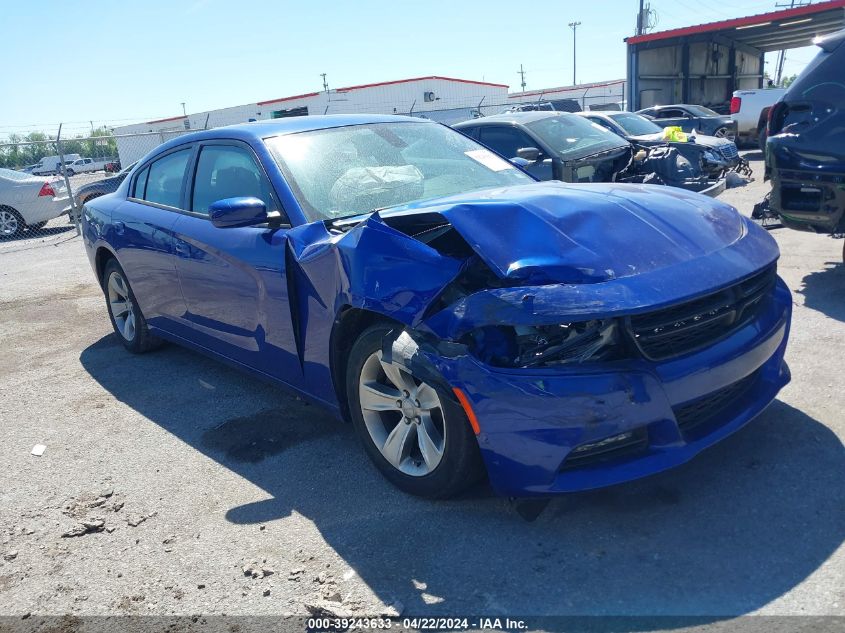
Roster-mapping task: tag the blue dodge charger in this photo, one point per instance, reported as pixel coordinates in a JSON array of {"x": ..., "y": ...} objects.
[{"x": 465, "y": 318}]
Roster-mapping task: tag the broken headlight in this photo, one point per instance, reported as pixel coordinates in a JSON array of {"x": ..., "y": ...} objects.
[{"x": 546, "y": 345}]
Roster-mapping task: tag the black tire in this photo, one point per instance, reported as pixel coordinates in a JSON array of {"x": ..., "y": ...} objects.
[
  {"x": 11, "y": 223},
  {"x": 763, "y": 136},
  {"x": 141, "y": 341},
  {"x": 460, "y": 466},
  {"x": 70, "y": 172}
]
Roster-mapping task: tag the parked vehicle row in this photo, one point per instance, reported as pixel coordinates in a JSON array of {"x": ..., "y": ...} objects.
[
  {"x": 715, "y": 154},
  {"x": 467, "y": 319},
  {"x": 805, "y": 150},
  {"x": 571, "y": 148},
  {"x": 51, "y": 165}
]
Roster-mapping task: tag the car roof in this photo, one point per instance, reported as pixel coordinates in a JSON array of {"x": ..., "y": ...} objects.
[
  {"x": 257, "y": 130},
  {"x": 513, "y": 118}
]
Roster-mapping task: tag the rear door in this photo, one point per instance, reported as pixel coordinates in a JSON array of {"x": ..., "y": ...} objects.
[
  {"x": 142, "y": 234},
  {"x": 233, "y": 279}
]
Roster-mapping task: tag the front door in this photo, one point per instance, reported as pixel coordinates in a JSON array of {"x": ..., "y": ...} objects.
[{"x": 233, "y": 279}]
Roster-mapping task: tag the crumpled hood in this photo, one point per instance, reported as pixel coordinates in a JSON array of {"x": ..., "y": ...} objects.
[{"x": 586, "y": 233}]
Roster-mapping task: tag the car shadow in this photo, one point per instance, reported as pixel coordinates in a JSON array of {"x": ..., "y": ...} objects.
[
  {"x": 753, "y": 155},
  {"x": 34, "y": 234},
  {"x": 725, "y": 534},
  {"x": 823, "y": 290}
]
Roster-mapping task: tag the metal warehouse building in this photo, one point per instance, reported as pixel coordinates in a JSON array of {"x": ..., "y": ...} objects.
[
  {"x": 432, "y": 97},
  {"x": 705, "y": 63}
]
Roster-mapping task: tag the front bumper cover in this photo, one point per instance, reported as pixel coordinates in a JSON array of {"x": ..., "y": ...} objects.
[{"x": 531, "y": 420}]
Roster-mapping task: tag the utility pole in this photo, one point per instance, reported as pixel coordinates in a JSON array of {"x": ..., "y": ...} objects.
[
  {"x": 184, "y": 112},
  {"x": 325, "y": 83},
  {"x": 573, "y": 26},
  {"x": 782, "y": 54},
  {"x": 641, "y": 18},
  {"x": 522, "y": 77}
]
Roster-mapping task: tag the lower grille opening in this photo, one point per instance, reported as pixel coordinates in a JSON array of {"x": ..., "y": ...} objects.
[
  {"x": 607, "y": 449},
  {"x": 696, "y": 412}
]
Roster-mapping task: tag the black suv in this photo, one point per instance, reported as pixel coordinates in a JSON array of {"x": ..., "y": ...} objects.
[{"x": 805, "y": 151}]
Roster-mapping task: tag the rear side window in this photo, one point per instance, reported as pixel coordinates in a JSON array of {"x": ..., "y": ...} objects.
[
  {"x": 228, "y": 171},
  {"x": 140, "y": 184},
  {"x": 164, "y": 181}
]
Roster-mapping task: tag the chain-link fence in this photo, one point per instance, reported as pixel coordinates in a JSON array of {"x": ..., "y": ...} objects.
[{"x": 45, "y": 180}]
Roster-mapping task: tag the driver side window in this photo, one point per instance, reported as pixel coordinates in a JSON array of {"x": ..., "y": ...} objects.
[
  {"x": 505, "y": 140},
  {"x": 228, "y": 171}
]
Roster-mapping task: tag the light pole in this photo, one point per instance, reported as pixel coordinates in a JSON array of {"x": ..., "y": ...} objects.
[{"x": 573, "y": 26}]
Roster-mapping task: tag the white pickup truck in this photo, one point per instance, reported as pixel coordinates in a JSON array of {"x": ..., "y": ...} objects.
[
  {"x": 750, "y": 108},
  {"x": 81, "y": 165}
]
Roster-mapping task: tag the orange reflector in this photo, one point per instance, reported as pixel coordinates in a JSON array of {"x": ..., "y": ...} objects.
[{"x": 473, "y": 421}]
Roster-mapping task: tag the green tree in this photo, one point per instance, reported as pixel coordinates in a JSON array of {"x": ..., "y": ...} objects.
[{"x": 787, "y": 81}]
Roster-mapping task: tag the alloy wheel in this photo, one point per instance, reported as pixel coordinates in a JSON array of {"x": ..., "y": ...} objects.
[
  {"x": 9, "y": 223},
  {"x": 120, "y": 305},
  {"x": 403, "y": 416}
]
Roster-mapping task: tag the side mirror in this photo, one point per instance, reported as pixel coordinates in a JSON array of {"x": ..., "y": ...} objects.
[
  {"x": 531, "y": 154},
  {"x": 520, "y": 162},
  {"x": 241, "y": 211}
]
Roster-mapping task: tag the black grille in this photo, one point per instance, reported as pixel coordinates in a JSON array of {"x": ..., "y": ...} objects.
[
  {"x": 728, "y": 151},
  {"x": 686, "y": 327},
  {"x": 696, "y": 412},
  {"x": 600, "y": 452}
]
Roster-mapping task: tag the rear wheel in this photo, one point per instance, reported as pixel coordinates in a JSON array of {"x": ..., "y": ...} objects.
[
  {"x": 11, "y": 222},
  {"x": 126, "y": 318},
  {"x": 413, "y": 431},
  {"x": 723, "y": 132}
]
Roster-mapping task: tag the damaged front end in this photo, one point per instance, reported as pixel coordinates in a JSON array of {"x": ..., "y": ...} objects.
[
  {"x": 667, "y": 165},
  {"x": 577, "y": 323}
]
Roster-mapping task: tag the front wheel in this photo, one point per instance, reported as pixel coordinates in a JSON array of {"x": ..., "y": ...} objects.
[
  {"x": 70, "y": 172},
  {"x": 723, "y": 132},
  {"x": 414, "y": 432},
  {"x": 125, "y": 315}
]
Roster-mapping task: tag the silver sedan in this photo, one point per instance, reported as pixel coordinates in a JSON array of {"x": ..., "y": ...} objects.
[{"x": 28, "y": 202}]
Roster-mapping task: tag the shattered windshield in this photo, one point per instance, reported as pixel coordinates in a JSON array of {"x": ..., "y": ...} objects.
[
  {"x": 634, "y": 124},
  {"x": 356, "y": 169},
  {"x": 572, "y": 136}
]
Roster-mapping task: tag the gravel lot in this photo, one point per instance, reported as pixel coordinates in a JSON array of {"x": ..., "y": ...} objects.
[{"x": 221, "y": 494}]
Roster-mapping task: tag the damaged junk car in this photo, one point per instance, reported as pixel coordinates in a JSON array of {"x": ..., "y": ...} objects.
[
  {"x": 805, "y": 150},
  {"x": 567, "y": 147},
  {"x": 716, "y": 155},
  {"x": 466, "y": 319}
]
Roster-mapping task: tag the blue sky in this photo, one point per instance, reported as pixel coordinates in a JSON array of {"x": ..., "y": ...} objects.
[{"x": 114, "y": 62}]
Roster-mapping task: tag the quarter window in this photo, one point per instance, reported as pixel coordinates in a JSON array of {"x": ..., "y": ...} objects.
[
  {"x": 164, "y": 182},
  {"x": 228, "y": 171},
  {"x": 140, "y": 183}
]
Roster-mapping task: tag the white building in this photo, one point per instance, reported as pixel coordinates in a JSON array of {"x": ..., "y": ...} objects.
[{"x": 440, "y": 98}]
